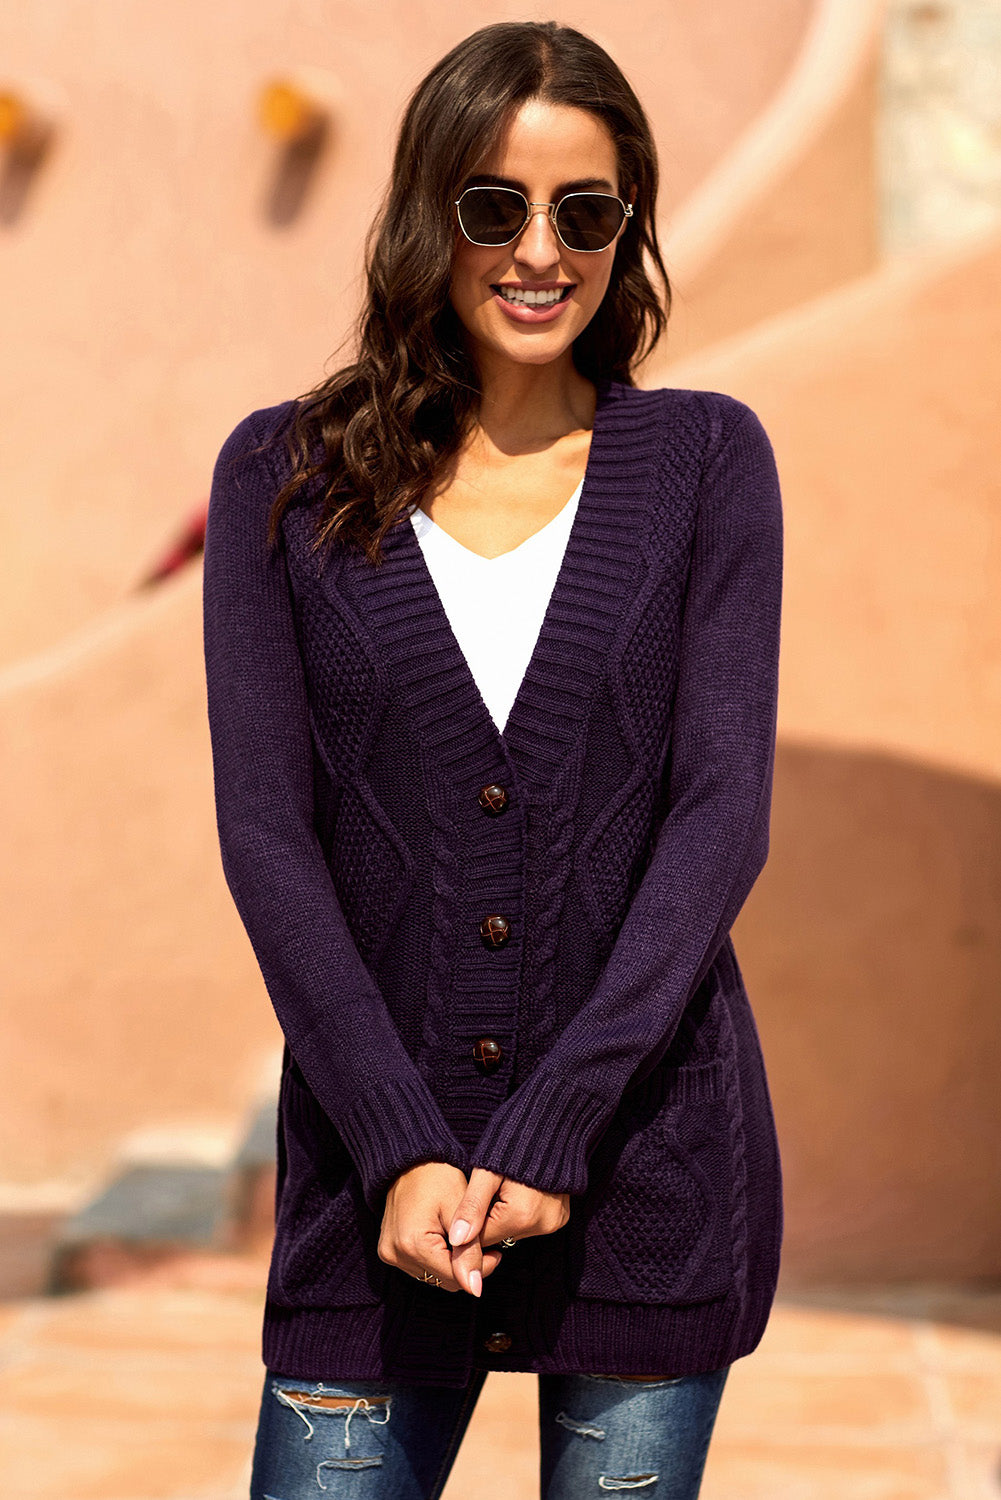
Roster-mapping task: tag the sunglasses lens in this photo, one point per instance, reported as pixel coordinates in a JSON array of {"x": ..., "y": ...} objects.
[
  {"x": 589, "y": 221},
  {"x": 490, "y": 215}
]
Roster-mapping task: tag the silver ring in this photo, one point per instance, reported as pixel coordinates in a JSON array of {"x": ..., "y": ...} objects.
[{"x": 507, "y": 1244}]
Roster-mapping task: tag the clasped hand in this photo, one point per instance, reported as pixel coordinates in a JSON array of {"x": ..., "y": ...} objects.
[{"x": 434, "y": 1220}]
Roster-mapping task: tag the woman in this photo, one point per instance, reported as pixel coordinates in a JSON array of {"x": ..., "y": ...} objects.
[{"x": 493, "y": 770}]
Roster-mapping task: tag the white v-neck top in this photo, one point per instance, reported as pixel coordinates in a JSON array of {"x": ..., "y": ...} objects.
[{"x": 496, "y": 605}]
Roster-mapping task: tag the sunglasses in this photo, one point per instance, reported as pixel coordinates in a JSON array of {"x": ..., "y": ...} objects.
[{"x": 583, "y": 221}]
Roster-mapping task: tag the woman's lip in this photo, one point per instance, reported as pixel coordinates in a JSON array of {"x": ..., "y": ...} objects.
[{"x": 522, "y": 312}]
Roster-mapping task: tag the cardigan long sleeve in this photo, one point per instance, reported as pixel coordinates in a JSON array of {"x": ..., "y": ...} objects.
[
  {"x": 334, "y": 1018},
  {"x": 710, "y": 846}
]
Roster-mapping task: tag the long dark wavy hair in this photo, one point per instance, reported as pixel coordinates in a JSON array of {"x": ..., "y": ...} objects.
[{"x": 377, "y": 434}]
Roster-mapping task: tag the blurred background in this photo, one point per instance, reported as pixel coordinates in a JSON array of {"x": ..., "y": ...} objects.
[{"x": 184, "y": 192}]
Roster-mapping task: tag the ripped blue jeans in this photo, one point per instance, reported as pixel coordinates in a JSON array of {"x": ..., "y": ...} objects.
[{"x": 392, "y": 1441}]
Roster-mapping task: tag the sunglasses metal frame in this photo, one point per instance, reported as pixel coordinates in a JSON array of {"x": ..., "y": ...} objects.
[{"x": 532, "y": 208}]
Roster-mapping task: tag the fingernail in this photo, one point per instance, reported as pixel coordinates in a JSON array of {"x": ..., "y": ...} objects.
[
  {"x": 476, "y": 1282},
  {"x": 458, "y": 1232}
]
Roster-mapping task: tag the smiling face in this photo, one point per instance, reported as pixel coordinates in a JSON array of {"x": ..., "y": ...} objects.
[{"x": 548, "y": 150}]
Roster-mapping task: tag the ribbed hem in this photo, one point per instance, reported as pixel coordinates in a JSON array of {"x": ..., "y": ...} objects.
[
  {"x": 324, "y": 1343},
  {"x": 543, "y": 1135},
  {"x": 360, "y": 1343},
  {"x": 393, "y": 1127},
  {"x": 607, "y": 1337}
]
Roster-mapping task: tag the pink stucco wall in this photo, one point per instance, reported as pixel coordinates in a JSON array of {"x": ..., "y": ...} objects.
[{"x": 157, "y": 302}]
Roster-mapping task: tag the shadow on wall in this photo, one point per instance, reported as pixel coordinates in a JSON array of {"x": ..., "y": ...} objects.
[{"x": 879, "y": 914}]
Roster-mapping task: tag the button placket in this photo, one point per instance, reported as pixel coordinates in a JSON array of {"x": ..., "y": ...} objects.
[
  {"x": 495, "y": 930},
  {"x": 487, "y": 872}
]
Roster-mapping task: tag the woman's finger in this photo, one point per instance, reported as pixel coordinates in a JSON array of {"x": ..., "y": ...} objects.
[
  {"x": 433, "y": 1258},
  {"x": 467, "y": 1266},
  {"x": 491, "y": 1260},
  {"x": 473, "y": 1207}
]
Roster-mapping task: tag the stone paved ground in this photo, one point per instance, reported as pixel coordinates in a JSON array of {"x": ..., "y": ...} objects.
[{"x": 150, "y": 1391}]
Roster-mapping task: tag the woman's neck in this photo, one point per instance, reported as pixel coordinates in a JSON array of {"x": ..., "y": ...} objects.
[{"x": 526, "y": 408}]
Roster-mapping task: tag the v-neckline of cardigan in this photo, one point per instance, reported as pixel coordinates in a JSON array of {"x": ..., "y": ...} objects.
[
  {"x": 602, "y": 567},
  {"x": 433, "y": 602}
]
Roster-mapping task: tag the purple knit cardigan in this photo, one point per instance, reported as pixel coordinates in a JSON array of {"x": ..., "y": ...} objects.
[{"x": 351, "y": 747}]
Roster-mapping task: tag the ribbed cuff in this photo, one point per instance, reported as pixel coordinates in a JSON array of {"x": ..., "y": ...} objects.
[
  {"x": 393, "y": 1127},
  {"x": 543, "y": 1135}
]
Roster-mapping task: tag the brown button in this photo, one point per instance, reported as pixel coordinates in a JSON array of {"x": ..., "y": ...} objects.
[
  {"x": 495, "y": 930},
  {"x": 488, "y": 1052},
  {"x": 493, "y": 798},
  {"x": 497, "y": 1343}
]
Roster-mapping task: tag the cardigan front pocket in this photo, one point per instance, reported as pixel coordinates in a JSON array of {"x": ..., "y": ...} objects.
[
  {"x": 660, "y": 1221},
  {"x": 325, "y": 1234}
]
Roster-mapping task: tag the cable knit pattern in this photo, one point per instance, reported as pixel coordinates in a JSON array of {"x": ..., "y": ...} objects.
[
  {"x": 555, "y": 827},
  {"x": 350, "y": 744}
]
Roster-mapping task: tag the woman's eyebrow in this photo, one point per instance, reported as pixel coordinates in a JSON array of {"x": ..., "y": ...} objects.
[{"x": 578, "y": 185}]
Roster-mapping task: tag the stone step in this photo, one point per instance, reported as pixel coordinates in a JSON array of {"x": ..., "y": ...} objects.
[{"x": 173, "y": 1220}]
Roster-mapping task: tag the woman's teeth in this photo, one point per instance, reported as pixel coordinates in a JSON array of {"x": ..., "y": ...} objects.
[{"x": 533, "y": 299}]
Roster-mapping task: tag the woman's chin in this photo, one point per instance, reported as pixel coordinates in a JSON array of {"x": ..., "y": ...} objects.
[{"x": 535, "y": 347}]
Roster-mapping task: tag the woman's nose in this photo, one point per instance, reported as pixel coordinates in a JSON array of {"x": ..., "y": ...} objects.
[{"x": 537, "y": 245}]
